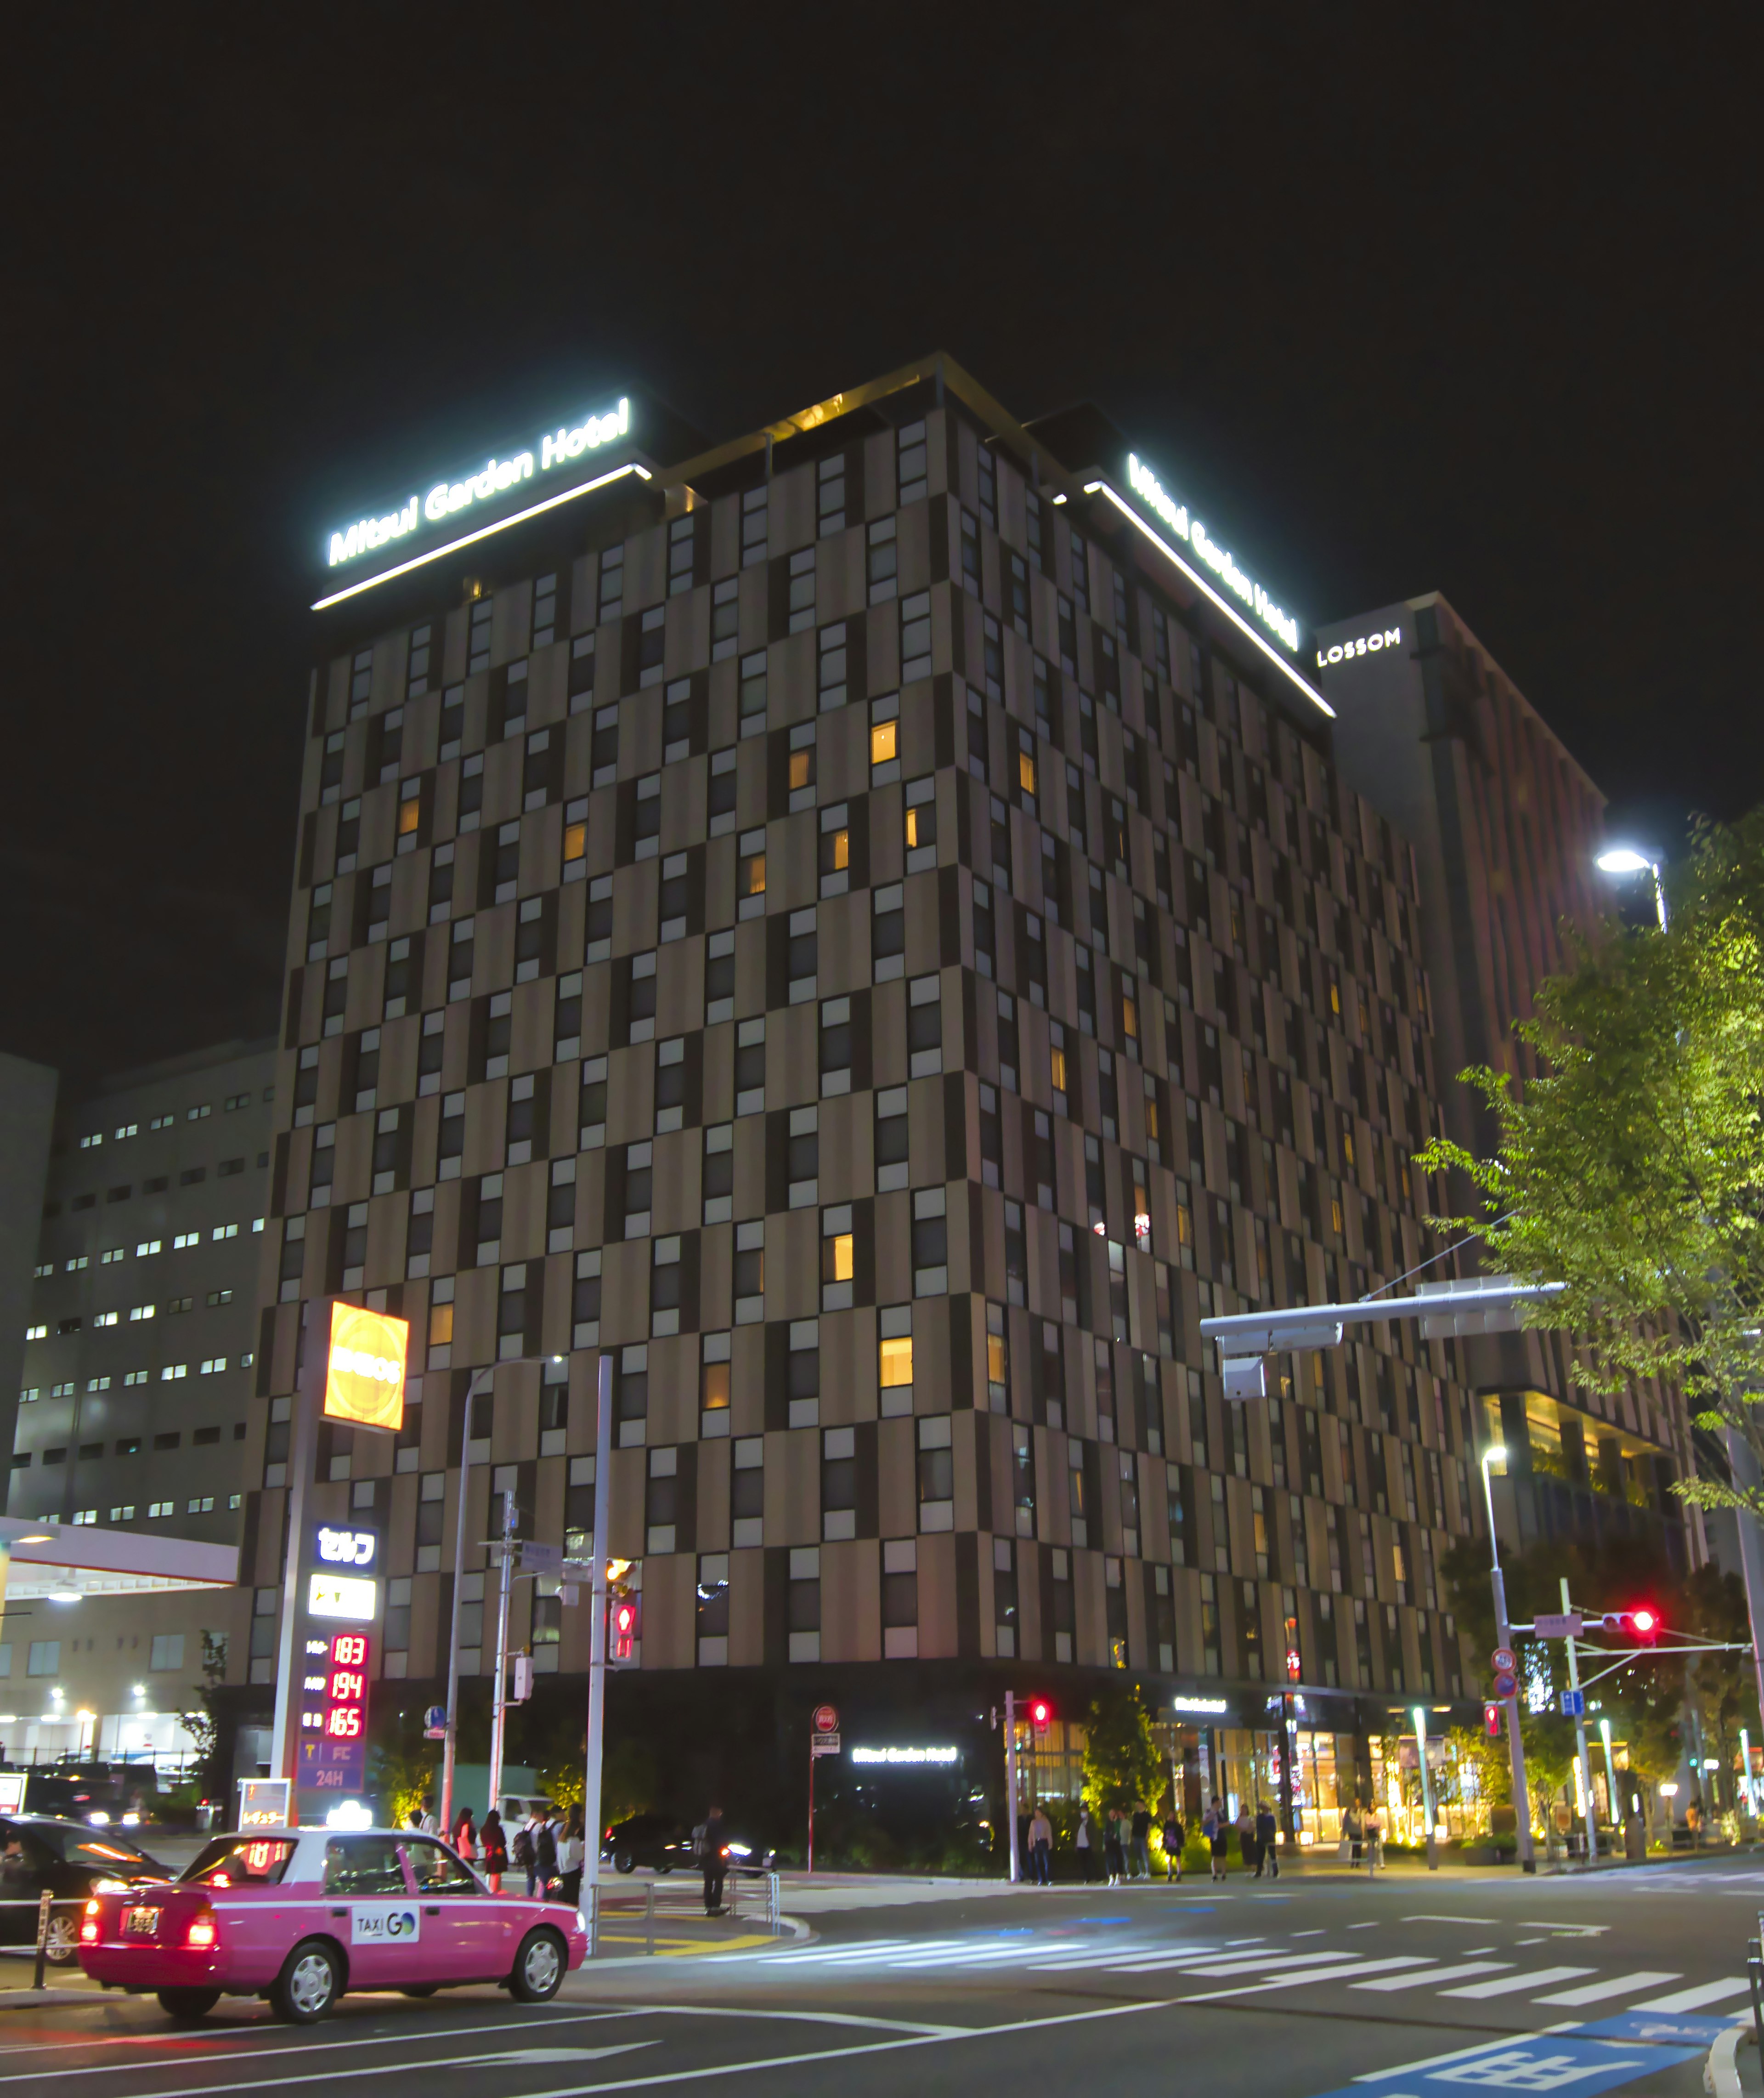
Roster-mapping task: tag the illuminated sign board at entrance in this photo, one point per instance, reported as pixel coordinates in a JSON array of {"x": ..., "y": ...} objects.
[
  {"x": 1176, "y": 517},
  {"x": 446, "y": 498}
]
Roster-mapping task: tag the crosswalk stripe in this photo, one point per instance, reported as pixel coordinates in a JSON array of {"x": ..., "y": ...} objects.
[
  {"x": 1694, "y": 1999},
  {"x": 1241, "y": 1965},
  {"x": 1435, "y": 1975},
  {"x": 1616, "y": 1984},
  {"x": 1337, "y": 1973},
  {"x": 1511, "y": 1984}
]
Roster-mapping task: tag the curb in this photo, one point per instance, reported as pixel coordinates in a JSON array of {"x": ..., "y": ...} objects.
[
  {"x": 28, "y": 2000},
  {"x": 1721, "y": 2070}
]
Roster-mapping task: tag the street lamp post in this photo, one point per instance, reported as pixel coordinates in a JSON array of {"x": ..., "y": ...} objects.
[
  {"x": 1625, "y": 859},
  {"x": 597, "y": 1655},
  {"x": 481, "y": 1382},
  {"x": 1504, "y": 1634}
]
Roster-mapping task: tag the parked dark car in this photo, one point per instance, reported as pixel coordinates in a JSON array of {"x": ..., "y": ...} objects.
[
  {"x": 72, "y": 1861},
  {"x": 665, "y": 1845},
  {"x": 100, "y": 1792}
]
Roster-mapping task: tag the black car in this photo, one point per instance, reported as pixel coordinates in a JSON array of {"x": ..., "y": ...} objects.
[
  {"x": 659, "y": 1842},
  {"x": 69, "y": 1860}
]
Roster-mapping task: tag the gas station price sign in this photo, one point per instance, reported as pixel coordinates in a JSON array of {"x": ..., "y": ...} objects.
[
  {"x": 335, "y": 1661},
  {"x": 334, "y": 1712}
]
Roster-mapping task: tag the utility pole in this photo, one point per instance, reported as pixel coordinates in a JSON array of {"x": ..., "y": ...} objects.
[
  {"x": 1504, "y": 1634},
  {"x": 500, "y": 1707},
  {"x": 1426, "y": 1785},
  {"x": 597, "y": 1655},
  {"x": 1010, "y": 1777},
  {"x": 1580, "y": 1738}
]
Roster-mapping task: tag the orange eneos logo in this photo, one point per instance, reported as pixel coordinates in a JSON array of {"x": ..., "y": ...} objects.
[{"x": 364, "y": 1377}]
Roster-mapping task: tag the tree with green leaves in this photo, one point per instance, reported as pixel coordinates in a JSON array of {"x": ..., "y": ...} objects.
[
  {"x": 1122, "y": 1762},
  {"x": 1631, "y": 1170}
]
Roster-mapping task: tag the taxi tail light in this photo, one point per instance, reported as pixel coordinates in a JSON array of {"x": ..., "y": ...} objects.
[
  {"x": 203, "y": 1930},
  {"x": 89, "y": 1927}
]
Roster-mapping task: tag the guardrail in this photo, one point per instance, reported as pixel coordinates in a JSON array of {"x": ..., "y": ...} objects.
[{"x": 756, "y": 1897}]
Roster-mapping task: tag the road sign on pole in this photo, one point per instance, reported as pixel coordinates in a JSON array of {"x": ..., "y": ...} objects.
[
  {"x": 1573, "y": 1704},
  {"x": 826, "y": 1719},
  {"x": 1503, "y": 1660},
  {"x": 1506, "y": 1685},
  {"x": 1559, "y": 1624},
  {"x": 434, "y": 1723}
]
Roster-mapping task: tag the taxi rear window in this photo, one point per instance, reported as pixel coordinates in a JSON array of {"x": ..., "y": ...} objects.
[{"x": 249, "y": 1861}]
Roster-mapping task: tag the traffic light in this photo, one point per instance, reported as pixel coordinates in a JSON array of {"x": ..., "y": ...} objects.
[
  {"x": 625, "y": 1628},
  {"x": 1040, "y": 1712},
  {"x": 1641, "y": 1624}
]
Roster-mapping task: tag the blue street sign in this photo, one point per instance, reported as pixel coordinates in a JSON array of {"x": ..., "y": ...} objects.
[
  {"x": 436, "y": 1716},
  {"x": 1546, "y": 2061},
  {"x": 1573, "y": 1704},
  {"x": 1505, "y": 1685}
]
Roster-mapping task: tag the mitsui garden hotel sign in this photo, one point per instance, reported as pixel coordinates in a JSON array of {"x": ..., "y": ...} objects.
[{"x": 450, "y": 496}]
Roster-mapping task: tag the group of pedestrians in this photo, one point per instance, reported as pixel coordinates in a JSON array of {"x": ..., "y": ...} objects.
[
  {"x": 1125, "y": 1845},
  {"x": 1257, "y": 1838},
  {"x": 549, "y": 1850}
]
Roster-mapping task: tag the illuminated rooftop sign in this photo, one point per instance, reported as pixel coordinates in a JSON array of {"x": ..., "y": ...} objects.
[
  {"x": 1150, "y": 490},
  {"x": 446, "y": 498}
]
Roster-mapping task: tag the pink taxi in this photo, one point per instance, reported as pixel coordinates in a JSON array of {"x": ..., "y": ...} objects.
[{"x": 298, "y": 1916}]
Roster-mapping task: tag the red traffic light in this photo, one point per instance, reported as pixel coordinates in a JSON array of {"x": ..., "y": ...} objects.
[
  {"x": 626, "y": 1628},
  {"x": 1642, "y": 1623},
  {"x": 1040, "y": 1713}
]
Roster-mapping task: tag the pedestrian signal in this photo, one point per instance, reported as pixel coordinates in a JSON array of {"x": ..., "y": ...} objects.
[
  {"x": 626, "y": 1629},
  {"x": 1040, "y": 1713}
]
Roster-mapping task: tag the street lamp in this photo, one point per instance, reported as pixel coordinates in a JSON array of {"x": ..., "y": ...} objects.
[
  {"x": 482, "y": 1380},
  {"x": 1625, "y": 859},
  {"x": 1496, "y": 1453}
]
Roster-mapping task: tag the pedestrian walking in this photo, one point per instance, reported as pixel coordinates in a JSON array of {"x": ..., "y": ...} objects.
[
  {"x": 1175, "y": 1836},
  {"x": 493, "y": 1843},
  {"x": 1246, "y": 1837},
  {"x": 1140, "y": 1855},
  {"x": 1041, "y": 1831},
  {"x": 710, "y": 1852},
  {"x": 1217, "y": 1830},
  {"x": 1085, "y": 1844},
  {"x": 545, "y": 1850},
  {"x": 1375, "y": 1839},
  {"x": 1350, "y": 1835},
  {"x": 426, "y": 1821},
  {"x": 1267, "y": 1840},
  {"x": 1112, "y": 1847},
  {"x": 571, "y": 1850},
  {"x": 465, "y": 1836},
  {"x": 520, "y": 1852}
]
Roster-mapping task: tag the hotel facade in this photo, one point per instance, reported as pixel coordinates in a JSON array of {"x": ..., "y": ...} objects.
[{"x": 863, "y": 926}]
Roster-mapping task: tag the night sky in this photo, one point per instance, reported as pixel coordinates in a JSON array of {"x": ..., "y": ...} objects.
[{"x": 1437, "y": 299}]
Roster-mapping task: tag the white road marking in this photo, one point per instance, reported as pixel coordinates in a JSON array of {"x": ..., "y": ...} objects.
[
  {"x": 415, "y": 2038},
  {"x": 1694, "y": 1999},
  {"x": 1342, "y": 1973},
  {"x": 1619, "y": 1985},
  {"x": 1435, "y": 1975},
  {"x": 523, "y": 2055},
  {"x": 1478, "y": 1991}
]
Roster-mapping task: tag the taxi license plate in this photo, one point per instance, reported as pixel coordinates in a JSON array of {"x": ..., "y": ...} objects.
[{"x": 142, "y": 1923}]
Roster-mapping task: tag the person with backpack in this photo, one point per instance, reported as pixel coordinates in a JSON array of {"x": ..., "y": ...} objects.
[
  {"x": 493, "y": 1845},
  {"x": 544, "y": 1850},
  {"x": 521, "y": 1855},
  {"x": 1175, "y": 1836},
  {"x": 571, "y": 1853}
]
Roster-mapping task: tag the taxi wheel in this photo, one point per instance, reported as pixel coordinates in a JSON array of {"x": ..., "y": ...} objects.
[
  {"x": 188, "y": 2007},
  {"x": 540, "y": 1966},
  {"x": 308, "y": 1986}
]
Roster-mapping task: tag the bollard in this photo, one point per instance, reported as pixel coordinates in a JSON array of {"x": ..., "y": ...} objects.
[
  {"x": 45, "y": 1906},
  {"x": 772, "y": 1904},
  {"x": 649, "y": 1920}
]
